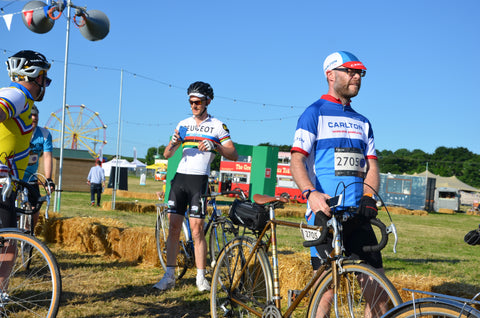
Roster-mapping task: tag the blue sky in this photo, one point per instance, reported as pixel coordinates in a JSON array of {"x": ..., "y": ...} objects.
[{"x": 264, "y": 60}]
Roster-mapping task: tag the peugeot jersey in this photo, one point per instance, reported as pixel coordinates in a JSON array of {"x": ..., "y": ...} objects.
[
  {"x": 16, "y": 131},
  {"x": 194, "y": 161},
  {"x": 337, "y": 142},
  {"x": 41, "y": 142}
]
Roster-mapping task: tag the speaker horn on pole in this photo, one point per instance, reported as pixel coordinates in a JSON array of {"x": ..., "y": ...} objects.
[
  {"x": 96, "y": 25},
  {"x": 35, "y": 17}
]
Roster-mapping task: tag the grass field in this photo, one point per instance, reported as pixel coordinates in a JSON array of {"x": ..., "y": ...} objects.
[{"x": 96, "y": 286}]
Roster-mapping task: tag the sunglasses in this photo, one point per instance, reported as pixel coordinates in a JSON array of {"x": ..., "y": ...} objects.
[
  {"x": 196, "y": 102},
  {"x": 47, "y": 81},
  {"x": 351, "y": 72}
]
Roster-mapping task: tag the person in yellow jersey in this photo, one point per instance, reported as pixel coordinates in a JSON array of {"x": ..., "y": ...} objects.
[{"x": 28, "y": 73}]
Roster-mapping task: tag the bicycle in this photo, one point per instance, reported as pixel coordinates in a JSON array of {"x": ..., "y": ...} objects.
[
  {"x": 28, "y": 218},
  {"x": 32, "y": 290},
  {"x": 222, "y": 231},
  {"x": 438, "y": 305},
  {"x": 244, "y": 283}
]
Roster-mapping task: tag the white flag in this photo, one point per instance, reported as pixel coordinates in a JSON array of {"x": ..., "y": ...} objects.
[{"x": 8, "y": 20}]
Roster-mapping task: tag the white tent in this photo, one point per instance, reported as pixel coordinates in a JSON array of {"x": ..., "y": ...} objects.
[
  {"x": 138, "y": 163},
  {"x": 113, "y": 163}
]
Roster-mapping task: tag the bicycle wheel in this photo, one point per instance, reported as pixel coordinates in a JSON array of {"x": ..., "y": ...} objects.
[
  {"x": 28, "y": 293},
  {"x": 222, "y": 232},
  {"x": 433, "y": 307},
  {"x": 361, "y": 291},
  {"x": 161, "y": 235},
  {"x": 254, "y": 288}
]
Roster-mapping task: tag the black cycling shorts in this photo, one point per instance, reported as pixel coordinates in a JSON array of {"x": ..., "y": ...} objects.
[
  {"x": 357, "y": 232},
  {"x": 185, "y": 191},
  {"x": 8, "y": 216}
]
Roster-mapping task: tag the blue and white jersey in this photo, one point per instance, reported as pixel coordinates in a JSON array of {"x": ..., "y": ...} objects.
[
  {"x": 337, "y": 141},
  {"x": 41, "y": 142}
]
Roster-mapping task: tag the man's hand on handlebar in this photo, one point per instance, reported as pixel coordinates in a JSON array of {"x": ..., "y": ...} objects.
[
  {"x": 368, "y": 207},
  {"x": 318, "y": 202}
]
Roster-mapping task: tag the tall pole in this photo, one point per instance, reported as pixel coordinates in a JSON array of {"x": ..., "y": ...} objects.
[
  {"x": 117, "y": 173},
  {"x": 58, "y": 194}
]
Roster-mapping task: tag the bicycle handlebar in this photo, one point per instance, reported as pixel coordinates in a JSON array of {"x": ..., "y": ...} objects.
[{"x": 369, "y": 248}]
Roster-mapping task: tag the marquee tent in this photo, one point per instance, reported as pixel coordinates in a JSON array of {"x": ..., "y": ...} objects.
[
  {"x": 448, "y": 182},
  {"x": 138, "y": 163},
  {"x": 113, "y": 163}
]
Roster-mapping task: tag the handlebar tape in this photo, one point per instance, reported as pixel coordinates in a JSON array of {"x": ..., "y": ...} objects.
[
  {"x": 323, "y": 234},
  {"x": 384, "y": 240},
  {"x": 370, "y": 248}
]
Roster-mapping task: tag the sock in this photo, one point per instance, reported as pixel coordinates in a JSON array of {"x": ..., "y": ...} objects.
[
  {"x": 200, "y": 273},
  {"x": 170, "y": 271}
]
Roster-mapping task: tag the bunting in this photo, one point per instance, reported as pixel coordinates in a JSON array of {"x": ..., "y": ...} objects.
[{"x": 8, "y": 20}]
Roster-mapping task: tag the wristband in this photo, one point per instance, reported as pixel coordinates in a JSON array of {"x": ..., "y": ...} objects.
[{"x": 308, "y": 192}]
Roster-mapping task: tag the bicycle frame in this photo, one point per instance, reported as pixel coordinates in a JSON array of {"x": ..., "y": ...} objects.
[{"x": 272, "y": 228}]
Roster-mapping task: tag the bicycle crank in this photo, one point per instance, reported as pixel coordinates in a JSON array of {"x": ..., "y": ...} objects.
[{"x": 271, "y": 312}]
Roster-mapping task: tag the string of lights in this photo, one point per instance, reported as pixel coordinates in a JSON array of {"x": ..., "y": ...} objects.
[{"x": 170, "y": 85}]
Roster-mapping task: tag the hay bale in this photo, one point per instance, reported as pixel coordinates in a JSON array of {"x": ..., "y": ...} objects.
[
  {"x": 295, "y": 271},
  {"x": 130, "y": 206},
  {"x": 404, "y": 211},
  {"x": 130, "y": 194},
  {"x": 446, "y": 211}
]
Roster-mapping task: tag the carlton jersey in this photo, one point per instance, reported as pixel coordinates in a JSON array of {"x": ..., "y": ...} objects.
[
  {"x": 194, "y": 161},
  {"x": 41, "y": 142},
  {"x": 337, "y": 142},
  {"x": 16, "y": 131}
]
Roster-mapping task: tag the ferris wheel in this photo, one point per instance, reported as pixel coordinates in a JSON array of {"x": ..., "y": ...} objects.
[{"x": 84, "y": 129}]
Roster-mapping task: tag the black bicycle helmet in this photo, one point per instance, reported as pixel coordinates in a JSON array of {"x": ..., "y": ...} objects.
[
  {"x": 26, "y": 65},
  {"x": 472, "y": 237},
  {"x": 35, "y": 110},
  {"x": 200, "y": 89}
]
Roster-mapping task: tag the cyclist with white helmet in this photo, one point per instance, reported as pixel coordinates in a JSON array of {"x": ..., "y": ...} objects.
[
  {"x": 201, "y": 136},
  {"x": 28, "y": 72}
]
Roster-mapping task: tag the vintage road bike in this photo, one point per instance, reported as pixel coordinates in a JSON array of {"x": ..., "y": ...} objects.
[{"x": 246, "y": 282}]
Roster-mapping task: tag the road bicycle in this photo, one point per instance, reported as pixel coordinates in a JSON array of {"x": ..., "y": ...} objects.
[
  {"x": 219, "y": 230},
  {"x": 245, "y": 283},
  {"x": 26, "y": 291},
  {"x": 437, "y": 305},
  {"x": 27, "y": 219}
]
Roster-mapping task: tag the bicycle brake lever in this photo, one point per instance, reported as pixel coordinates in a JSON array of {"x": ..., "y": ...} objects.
[
  {"x": 393, "y": 229},
  {"x": 7, "y": 187}
]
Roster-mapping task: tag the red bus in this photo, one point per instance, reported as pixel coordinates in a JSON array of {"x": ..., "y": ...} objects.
[{"x": 236, "y": 174}]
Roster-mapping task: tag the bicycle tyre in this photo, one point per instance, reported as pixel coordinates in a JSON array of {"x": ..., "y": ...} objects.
[
  {"x": 32, "y": 292},
  {"x": 255, "y": 288},
  {"x": 221, "y": 232},
  {"x": 161, "y": 236},
  {"x": 433, "y": 307},
  {"x": 351, "y": 297}
]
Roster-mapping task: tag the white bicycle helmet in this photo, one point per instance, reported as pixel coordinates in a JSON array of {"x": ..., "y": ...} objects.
[{"x": 26, "y": 65}]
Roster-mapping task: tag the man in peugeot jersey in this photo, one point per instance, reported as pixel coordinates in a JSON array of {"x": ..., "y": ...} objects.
[
  {"x": 28, "y": 73},
  {"x": 334, "y": 145},
  {"x": 201, "y": 136}
]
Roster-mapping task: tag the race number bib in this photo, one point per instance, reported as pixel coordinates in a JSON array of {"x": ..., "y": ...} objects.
[
  {"x": 32, "y": 159},
  {"x": 350, "y": 162}
]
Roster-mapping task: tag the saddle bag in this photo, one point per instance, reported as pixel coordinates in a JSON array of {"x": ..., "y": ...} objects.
[{"x": 249, "y": 214}]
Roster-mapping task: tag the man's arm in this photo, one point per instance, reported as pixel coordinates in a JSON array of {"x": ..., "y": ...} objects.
[
  {"x": 48, "y": 164},
  {"x": 316, "y": 199},
  {"x": 372, "y": 180},
  {"x": 172, "y": 145},
  {"x": 228, "y": 150}
]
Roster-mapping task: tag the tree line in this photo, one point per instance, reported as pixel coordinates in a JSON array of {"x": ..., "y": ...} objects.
[{"x": 444, "y": 161}]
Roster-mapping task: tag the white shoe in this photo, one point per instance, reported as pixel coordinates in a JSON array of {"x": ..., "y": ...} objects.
[
  {"x": 202, "y": 284},
  {"x": 167, "y": 282}
]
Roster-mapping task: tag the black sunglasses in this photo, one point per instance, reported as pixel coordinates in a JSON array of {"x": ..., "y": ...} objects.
[
  {"x": 196, "y": 102},
  {"x": 351, "y": 72}
]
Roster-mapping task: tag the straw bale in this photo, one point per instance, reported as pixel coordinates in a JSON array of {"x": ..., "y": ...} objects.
[
  {"x": 130, "y": 194},
  {"x": 471, "y": 212},
  {"x": 134, "y": 245},
  {"x": 130, "y": 206},
  {"x": 446, "y": 211},
  {"x": 404, "y": 211},
  {"x": 295, "y": 271}
]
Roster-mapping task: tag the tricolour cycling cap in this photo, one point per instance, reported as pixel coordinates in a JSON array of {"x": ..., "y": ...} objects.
[{"x": 342, "y": 58}]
